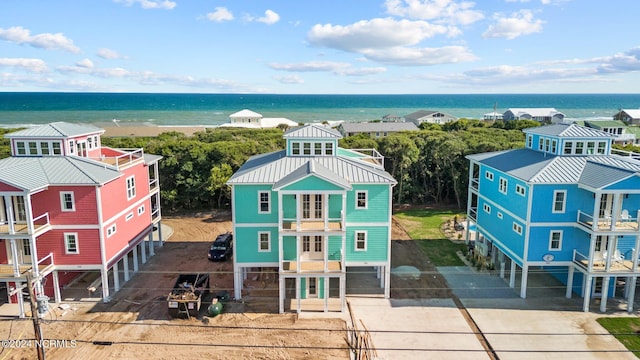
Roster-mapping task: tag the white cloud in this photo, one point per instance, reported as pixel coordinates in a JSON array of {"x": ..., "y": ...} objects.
[
  {"x": 289, "y": 79},
  {"x": 372, "y": 34},
  {"x": 20, "y": 35},
  {"x": 220, "y": 14},
  {"x": 336, "y": 68},
  {"x": 150, "y": 4},
  {"x": 109, "y": 54},
  {"x": 628, "y": 61},
  {"x": 31, "y": 65},
  {"x": 421, "y": 56},
  {"x": 518, "y": 24},
  {"x": 270, "y": 17},
  {"x": 441, "y": 11},
  {"x": 85, "y": 63}
]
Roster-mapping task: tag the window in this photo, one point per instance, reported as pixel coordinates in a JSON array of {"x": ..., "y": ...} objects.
[
  {"x": 568, "y": 147},
  {"x": 264, "y": 205},
  {"x": 90, "y": 143},
  {"x": 264, "y": 243},
  {"x": 555, "y": 240},
  {"x": 111, "y": 230},
  {"x": 295, "y": 148},
  {"x": 72, "y": 146},
  {"x": 540, "y": 144},
  {"x": 517, "y": 228},
  {"x": 547, "y": 144},
  {"x": 26, "y": 247},
  {"x": 33, "y": 148},
  {"x": 20, "y": 148},
  {"x": 317, "y": 148},
  {"x": 559, "y": 200},
  {"x": 328, "y": 148},
  {"x": 141, "y": 210},
  {"x": 554, "y": 145},
  {"x": 306, "y": 241},
  {"x": 56, "y": 148},
  {"x": 503, "y": 185},
  {"x": 529, "y": 141},
  {"x": 579, "y": 148},
  {"x": 361, "y": 241},
  {"x": 602, "y": 147},
  {"x": 361, "y": 200},
  {"x": 44, "y": 148},
  {"x": 499, "y": 215},
  {"x": 71, "y": 243},
  {"x": 591, "y": 146},
  {"x": 129, "y": 216},
  {"x": 306, "y": 148},
  {"x": 487, "y": 208},
  {"x": 317, "y": 244},
  {"x": 66, "y": 201},
  {"x": 488, "y": 175},
  {"x": 520, "y": 190},
  {"x": 131, "y": 187}
]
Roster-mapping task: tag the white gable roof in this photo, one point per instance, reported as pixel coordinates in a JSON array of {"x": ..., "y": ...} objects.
[{"x": 245, "y": 113}]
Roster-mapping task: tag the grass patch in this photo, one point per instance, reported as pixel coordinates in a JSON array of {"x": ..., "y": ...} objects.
[
  {"x": 626, "y": 330},
  {"x": 425, "y": 226},
  {"x": 425, "y": 223}
]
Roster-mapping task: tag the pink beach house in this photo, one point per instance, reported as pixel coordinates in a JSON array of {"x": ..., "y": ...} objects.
[{"x": 71, "y": 208}]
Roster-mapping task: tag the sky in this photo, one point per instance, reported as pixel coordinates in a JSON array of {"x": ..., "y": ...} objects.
[{"x": 320, "y": 46}]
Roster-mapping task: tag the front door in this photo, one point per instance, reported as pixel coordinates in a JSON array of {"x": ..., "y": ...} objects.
[
  {"x": 312, "y": 247},
  {"x": 23, "y": 247},
  {"x": 312, "y": 287},
  {"x": 19, "y": 211},
  {"x": 81, "y": 148},
  {"x": 312, "y": 206}
]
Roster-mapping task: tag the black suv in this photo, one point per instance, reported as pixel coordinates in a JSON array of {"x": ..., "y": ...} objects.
[{"x": 222, "y": 247}]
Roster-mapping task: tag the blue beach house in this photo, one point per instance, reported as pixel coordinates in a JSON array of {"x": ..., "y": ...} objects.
[
  {"x": 310, "y": 212},
  {"x": 566, "y": 203}
]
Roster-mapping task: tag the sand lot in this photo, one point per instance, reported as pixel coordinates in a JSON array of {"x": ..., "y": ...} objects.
[{"x": 137, "y": 324}]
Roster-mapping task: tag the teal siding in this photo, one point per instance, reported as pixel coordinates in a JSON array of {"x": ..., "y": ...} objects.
[
  {"x": 335, "y": 206},
  {"x": 246, "y": 204},
  {"x": 312, "y": 183},
  {"x": 377, "y": 243},
  {"x": 303, "y": 288},
  {"x": 377, "y": 204},
  {"x": 289, "y": 249},
  {"x": 335, "y": 245},
  {"x": 246, "y": 242},
  {"x": 289, "y": 206}
]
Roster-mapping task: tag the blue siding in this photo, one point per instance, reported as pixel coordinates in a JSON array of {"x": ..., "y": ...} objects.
[
  {"x": 516, "y": 203},
  {"x": 501, "y": 229},
  {"x": 543, "y": 202},
  {"x": 572, "y": 238}
]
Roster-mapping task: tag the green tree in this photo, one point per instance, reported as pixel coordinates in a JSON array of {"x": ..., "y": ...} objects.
[
  {"x": 401, "y": 152},
  {"x": 220, "y": 174}
]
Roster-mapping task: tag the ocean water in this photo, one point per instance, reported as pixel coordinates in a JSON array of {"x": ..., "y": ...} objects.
[{"x": 26, "y": 108}]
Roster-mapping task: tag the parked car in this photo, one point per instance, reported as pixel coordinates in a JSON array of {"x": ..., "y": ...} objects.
[{"x": 222, "y": 247}]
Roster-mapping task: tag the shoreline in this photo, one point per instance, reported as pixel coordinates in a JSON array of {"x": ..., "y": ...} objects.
[{"x": 140, "y": 131}]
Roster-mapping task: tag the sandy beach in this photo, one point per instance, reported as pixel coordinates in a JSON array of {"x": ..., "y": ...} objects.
[{"x": 124, "y": 131}]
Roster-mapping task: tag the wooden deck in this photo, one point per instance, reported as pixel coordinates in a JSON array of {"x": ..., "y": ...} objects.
[
  {"x": 6, "y": 271},
  {"x": 20, "y": 228},
  {"x": 312, "y": 226},
  {"x": 311, "y": 266}
]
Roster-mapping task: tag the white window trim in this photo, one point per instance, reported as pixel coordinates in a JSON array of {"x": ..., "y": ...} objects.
[
  {"x": 260, "y": 211},
  {"x": 499, "y": 215},
  {"x": 517, "y": 228},
  {"x": 559, "y": 240},
  {"x": 521, "y": 193},
  {"x": 66, "y": 243},
  {"x": 366, "y": 200},
  {"x": 129, "y": 216},
  {"x": 506, "y": 185},
  {"x": 131, "y": 191},
  {"x": 111, "y": 230},
  {"x": 564, "y": 202},
  {"x": 260, "y": 249},
  {"x": 63, "y": 202},
  {"x": 488, "y": 175},
  {"x": 355, "y": 240},
  {"x": 486, "y": 208},
  {"x": 141, "y": 210}
]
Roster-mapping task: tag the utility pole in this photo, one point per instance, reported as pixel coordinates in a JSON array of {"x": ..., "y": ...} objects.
[{"x": 36, "y": 319}]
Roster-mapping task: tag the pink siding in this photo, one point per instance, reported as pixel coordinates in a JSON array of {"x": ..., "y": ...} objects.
[
  {"x": 7, "y": 187},
  {"x": 114, "y": 193},
  {"x": 88, "y": 245},
  {"x": 126, "y": 230},
  {"x": 64, "y": 278},
  {"x": 85, "y": 205}
]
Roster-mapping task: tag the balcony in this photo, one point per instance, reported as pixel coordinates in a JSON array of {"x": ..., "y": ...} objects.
[
  {"x": 120, "y": 158},
  {"x": 627, "y": 222},
  {"x": 333, "y": 263},
  {"x": 315, "y": 225},
  {"x": 618, "y": 264},
  {"x": 475, "y": 183},
  {"x": 40, "y": 224},
  {"x": 8, "y": 271}
]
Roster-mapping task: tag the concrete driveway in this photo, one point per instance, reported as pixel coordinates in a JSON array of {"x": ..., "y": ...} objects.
[{"x": 546, "y": 325}]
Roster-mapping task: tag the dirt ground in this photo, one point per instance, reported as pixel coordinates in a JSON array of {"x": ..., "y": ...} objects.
[{"x": 138, "y": 325}]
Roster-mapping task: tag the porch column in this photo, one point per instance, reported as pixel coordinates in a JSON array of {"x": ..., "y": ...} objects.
[
  {"x": 8, "y": 207},
  {"x": 632, "y": 293},
  {"x": 281, "y": 286},
  {"x": 14, "y": 255},
  {"x": 160, "y": 237},
  {"x": 605, "y": 293},
  {"x": 615, "y": 211},
  {"x": 237, "y": 282},
  {"x": 587, "y": 292},
  {"x": 143, "y": 252},
  {"x": 56, "y": 288},
  {"x": 523, "y": 281},
  {"x": 326, "y": 293},
  {"x": 116, "y": 276},
  {"x": 21, "y": 313},
  {"x": 569, "y": 283},
  {"x": 343, "y": 291},
  {"x": 387, "y": 279},
  {"x": 135, "y": 259},
  {"x": 298, "y": 295},
  {"x": 104, "y": 274},
  {"x": 150, "y": 240},
  {"x": 125, "y": 263},
  {"x": 512, "y": 275}
]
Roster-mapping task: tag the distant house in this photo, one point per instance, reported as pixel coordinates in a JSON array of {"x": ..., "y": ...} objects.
[
  {"x": 544, "y": 115},
  {"x": 251, "y": 119},
  {"x": 428, "y": 116},
  {"x": 614, "y": 127},
  {"x": 629, "y": 116},
  {"x": 392, "y": 118},
  {"x": 494, "y": 115},
  {"x": 376, "y": 129}
]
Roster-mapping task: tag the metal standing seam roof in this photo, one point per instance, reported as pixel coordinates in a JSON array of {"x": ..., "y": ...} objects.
[
  {"x": 273, "y": 167},
  {"x": 598, "y": 175},
  {"x": 56, "y": 130},
  {"x": 33, "y": 173},
  {"x": 312, "y": 167},
  {"x": 312, "y": 131},
  {"x": 568, "y": 131}
]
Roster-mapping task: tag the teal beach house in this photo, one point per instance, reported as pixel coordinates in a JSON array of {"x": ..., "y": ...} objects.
[
  {"x": 567, "y": 203},
  {"x": 312, "y": 213}
]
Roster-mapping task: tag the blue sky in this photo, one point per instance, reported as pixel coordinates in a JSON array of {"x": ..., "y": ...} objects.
[{"x": 320, "y": 47}]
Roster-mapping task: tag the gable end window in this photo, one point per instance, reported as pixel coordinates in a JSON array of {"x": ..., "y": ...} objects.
[
  {"x": 264, "y": 241},
  {"x": 517, "y": 228},
  {"x": 264, "y": 203},
  {"x": 361, "y": 200},
  {"x": 295, "y": 148},
  {"x": 66, "y": 201},
  {"x": 486, "y": 208},
  {"x": 71, "y": 243},
  {"x": 559, "y": 201},
  {"x": 111, "y": 230}
]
